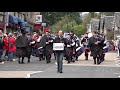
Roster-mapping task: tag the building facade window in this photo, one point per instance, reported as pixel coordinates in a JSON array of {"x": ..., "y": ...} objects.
[
  {"x": 27, "y": 14},
  {"x": 18, "y": 14},
  {"x": 14, "y": 14},
  {"x": 1, "y": 17},
  {"x": 30, "y": 14},
  {"x": 24, "y": 17}
]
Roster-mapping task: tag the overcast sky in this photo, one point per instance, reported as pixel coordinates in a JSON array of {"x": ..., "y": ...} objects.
[{"x": 87, "y": 12}]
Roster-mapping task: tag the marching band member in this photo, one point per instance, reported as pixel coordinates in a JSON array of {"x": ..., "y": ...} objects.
[{"x": 85, "y": 41}]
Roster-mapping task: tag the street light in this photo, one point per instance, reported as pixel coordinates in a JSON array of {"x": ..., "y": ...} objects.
[{"x": 6, "y": 20}]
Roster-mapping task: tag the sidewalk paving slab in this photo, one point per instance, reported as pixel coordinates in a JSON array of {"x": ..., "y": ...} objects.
[{"x": 109, "y": 60}]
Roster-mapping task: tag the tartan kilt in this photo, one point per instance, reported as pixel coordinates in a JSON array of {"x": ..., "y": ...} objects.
[
  {"x": 86, "y": 49},
  {"x": 21, "y": 52}
]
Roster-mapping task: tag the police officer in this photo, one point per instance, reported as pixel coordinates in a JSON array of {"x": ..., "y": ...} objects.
[
  {"x": 60, "y": 54},
  {"x": 85, "y": 41}
]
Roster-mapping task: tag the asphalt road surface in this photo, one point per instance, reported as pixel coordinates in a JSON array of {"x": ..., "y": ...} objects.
[{"x": 42, "y": 70}]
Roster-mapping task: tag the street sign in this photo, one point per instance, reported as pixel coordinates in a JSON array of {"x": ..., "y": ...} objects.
[
  {"x": 43, "y": 24},
  {"x": 38, "y": 18}
]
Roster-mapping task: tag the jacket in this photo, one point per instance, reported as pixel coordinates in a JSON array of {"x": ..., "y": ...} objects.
[
  {"x": 5, "y": 41},
  {"x": 11, "y": 44}
]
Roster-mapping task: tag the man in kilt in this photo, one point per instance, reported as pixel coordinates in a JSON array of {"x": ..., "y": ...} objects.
[
  {"x": 23, "y": 48},
  {"x": 95, "y": 47}
]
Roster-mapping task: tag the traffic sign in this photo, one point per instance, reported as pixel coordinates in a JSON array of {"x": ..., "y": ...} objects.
[
  {"x": 38, "y": 18},
  {"x": 43, "y": 24}
]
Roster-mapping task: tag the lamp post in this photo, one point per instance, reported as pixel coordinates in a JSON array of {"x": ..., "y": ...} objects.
[{"x": 6, "y": 20}]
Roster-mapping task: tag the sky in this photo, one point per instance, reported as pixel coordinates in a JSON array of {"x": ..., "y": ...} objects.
[{"x": 87, "y": 12}]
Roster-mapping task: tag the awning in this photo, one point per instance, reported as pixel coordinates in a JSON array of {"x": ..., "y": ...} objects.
[
  {"x": 2, "y": 24},
  {"x": 37, "y": 26},
  {"x": 21, "y": 22},
  {"x": 13, "y": 19},
  {"x": 46, "y": 29}
]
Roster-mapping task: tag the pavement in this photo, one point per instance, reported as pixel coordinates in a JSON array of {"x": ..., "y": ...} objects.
[
  {"x": 110, "y": 58},
  {"x": 80, "y": 69}
]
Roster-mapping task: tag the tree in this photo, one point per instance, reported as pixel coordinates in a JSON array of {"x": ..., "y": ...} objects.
[
  {"x": 67, "y": 24},
  {"x": 54, "y": 17},
  {"x": 86, "y": 21}
]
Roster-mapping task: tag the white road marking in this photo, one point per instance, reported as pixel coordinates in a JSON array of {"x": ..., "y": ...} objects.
[
  {"x": 118, "y": 73},
  {"x": 28, "y": 75}
]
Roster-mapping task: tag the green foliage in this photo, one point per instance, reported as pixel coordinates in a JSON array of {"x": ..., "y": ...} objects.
[
  {"x": 110, "y": 35},
  {"x": 54, "y": 17},
  {"x": 68, "y": 24},
  {"x": 79, "y": 30}
]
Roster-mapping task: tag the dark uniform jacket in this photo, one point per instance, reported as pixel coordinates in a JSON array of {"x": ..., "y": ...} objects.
[{"x": 95, "y": 48}]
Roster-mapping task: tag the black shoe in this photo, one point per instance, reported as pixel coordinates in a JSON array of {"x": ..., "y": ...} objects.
[
  {"x": 19, "y": 62},
  {"x": 86, "y": 58},
  {"x": 28, "y": 61},
  {"x": 73, "y": 61},
  {"x": 60, "y": 72},
  {"x": 40, "y": 59},
  {"x": 76, "y": 59},
  {"x": 98, "y": 63},
  {"x": 22, "y": 63},
  {"x": 68, "y": 61}
]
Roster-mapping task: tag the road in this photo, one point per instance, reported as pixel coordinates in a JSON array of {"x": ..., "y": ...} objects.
[{"x": 39, "y": 69}]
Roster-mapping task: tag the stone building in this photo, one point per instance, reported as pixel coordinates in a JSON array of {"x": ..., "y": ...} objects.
[
  {"x": 28, "y": 18},
  {"x": 94, "y": 24},
  {"x": 117, "y": 24}
]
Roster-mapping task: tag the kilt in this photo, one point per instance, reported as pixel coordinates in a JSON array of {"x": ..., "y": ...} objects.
[
  {"x": 86, "y": 49},
  {"x": 21, "y": 52}
]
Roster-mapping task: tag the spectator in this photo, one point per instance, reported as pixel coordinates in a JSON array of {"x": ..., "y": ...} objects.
[
  {"x": 1, "y": 49},
  {"x": 11, "y": 47}
]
